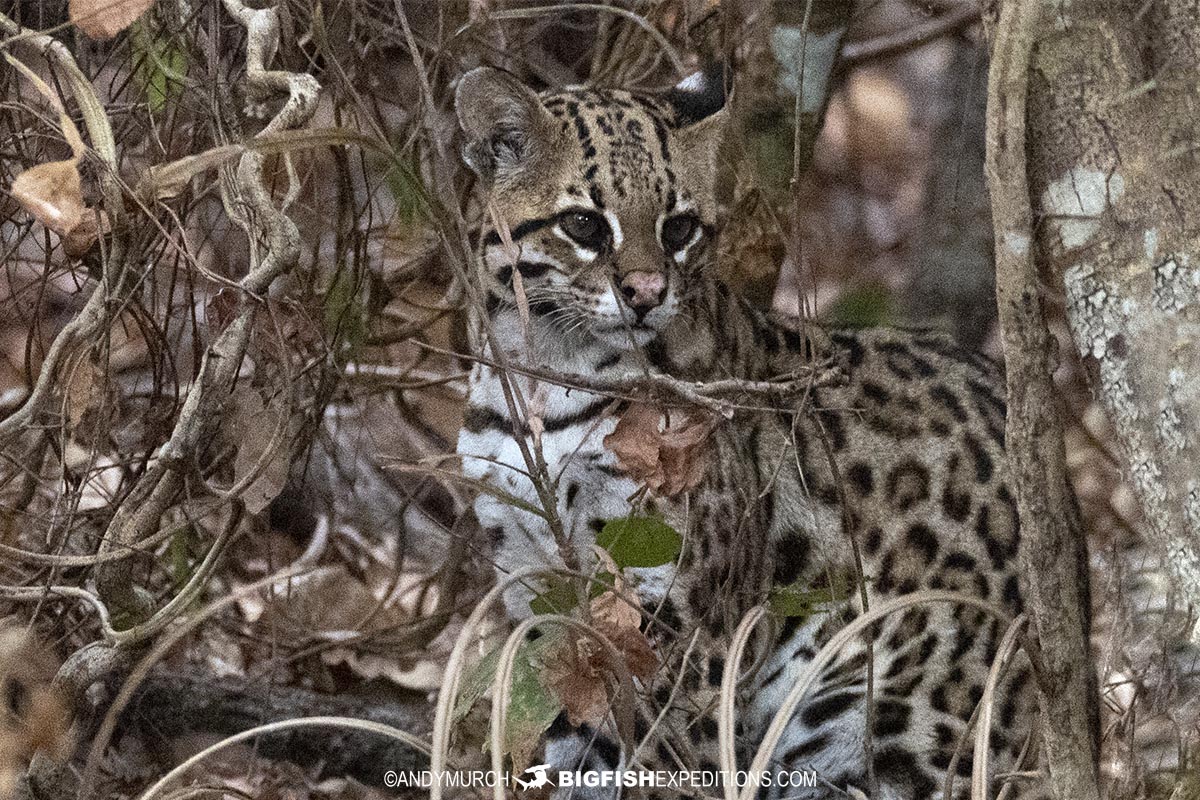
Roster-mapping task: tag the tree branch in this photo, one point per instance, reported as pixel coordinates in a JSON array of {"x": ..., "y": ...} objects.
[
  {"x": 113, "y": 290},
  {"x": 914, "y": 36},
  {"x": 720, "y": 396},
  {"x": 181, "y": 703}
]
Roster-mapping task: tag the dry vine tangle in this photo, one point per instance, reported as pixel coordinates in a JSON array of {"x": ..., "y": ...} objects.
[{"x": 608, "y": 198}]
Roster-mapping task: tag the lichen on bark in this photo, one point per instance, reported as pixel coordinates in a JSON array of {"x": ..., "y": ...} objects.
[{"x": 1115, "y": 171}]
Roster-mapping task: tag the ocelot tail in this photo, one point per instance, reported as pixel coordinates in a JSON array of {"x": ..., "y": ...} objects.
[{"x": 603, "y": 212}]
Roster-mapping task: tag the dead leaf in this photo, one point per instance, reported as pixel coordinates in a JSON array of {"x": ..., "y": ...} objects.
[
  {"x": 69, "y": 131},
  {"x": 79, "y": 240},
  {"x": 52, "y": 193},
  {"x": 334, "y": 605},
  {"x": 164, "y": 181},
  {"x": 87, "y": 390},
  {"x": 575, "y": 674},
  {"x": 578, "y": 670},
  {"x": 668, "y": 452},
  {"x": 104, "y": 19},
  {"x": 620, "y": 622},
  {"x": 263, "y": 442}
]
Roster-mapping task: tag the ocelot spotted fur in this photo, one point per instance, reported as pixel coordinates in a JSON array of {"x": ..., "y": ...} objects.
[{"x": 603, "y": 203}]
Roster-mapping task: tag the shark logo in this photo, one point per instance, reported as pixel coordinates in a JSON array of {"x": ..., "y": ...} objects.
[{"x": 539, "y": 779}]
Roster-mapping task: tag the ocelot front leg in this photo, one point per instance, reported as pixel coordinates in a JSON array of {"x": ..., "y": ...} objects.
[
  {"x": 724, "y": 570},
  {"x": 690, "y": 610},
  {"x": 590, "y": 491}
]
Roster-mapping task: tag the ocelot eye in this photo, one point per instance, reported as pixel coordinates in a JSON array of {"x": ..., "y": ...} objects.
[
  {"x": 677, "y": 231},
  {"x": 586, "y": 227}
]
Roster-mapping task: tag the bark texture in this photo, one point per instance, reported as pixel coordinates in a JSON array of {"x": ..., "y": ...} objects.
[
  {"x": 1114, "y": 121},
  {"x": 1051, "y": 553}
]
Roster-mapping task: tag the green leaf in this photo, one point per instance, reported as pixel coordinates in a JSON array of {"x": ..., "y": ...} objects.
[
  {"x": 531, "y": 707},
  {"x": 795, "y": 600},
  {"x": 345, "y": 310},
  {"x": 531, "y": 710},
  {"x": 413, "y": 203},
  {"x": 474, "y": 683},
  {"x": 480, "y": 676},
  {"x": 603, "y": 582},
  {"x": 640, "y": 541},
  {"x": 865, "y": 307},
  {"x": 560, "y": 597},
  {"x": 769, "y": 144},
  {"x": 162, "y": 66}
]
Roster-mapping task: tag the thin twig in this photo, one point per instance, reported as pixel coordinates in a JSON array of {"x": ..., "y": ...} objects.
[
  {"x": 514, "y": 399},
  {"x": 908, "y": 38},
  {"x": 665, "y": 390},
  {"x": 813, "y": 669},
  {"x": 169, "y": 639},
  {"x": 221, "y": 363},
  {"x": 113, "y": 290},
  {"x": 1005, "y": 651}
]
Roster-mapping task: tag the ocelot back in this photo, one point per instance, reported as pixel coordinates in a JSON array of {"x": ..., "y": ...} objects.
[{"x": 607, "y": 198}]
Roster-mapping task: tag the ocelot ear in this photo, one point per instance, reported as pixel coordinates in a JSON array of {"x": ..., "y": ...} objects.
[
  {"x": 506, "y": 126},
  {"x": 702, "y": 112},
  {"x": 697, "y": 144},
  {"x": 699, "y": 95}
]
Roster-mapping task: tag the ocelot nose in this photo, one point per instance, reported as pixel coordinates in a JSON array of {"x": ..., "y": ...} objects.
[{"x": 643, "y": 291}]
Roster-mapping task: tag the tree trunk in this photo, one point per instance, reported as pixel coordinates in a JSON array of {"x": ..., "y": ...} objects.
[
  {"x": 1095, "y": 180},
  {"x": 1115, "y": 179},
  {"x": 1051, "y": 554}
]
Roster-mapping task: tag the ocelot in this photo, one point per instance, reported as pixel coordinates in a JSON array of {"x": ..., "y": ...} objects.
[{"x": 603, "y": 212}]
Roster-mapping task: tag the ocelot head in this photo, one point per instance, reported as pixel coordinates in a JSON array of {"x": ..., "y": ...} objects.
[{"x": 607, "y": 197}]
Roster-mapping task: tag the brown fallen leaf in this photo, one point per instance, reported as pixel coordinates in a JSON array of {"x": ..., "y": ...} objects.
[
  {"x": 52, "y": 193},
  {"x": 667, "y": 450},
  {"x": 619, "y": 621},
  {"x": 89, "y": 400},
  {"x": 104, "y": 19},
  {"x": 264, "y": 442},
  {"x": 575, "y": 674},
  {"x": 80, "y": 239},
  {"x": 331, "y": 604},
  {"x": 578, "y": 670}
]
